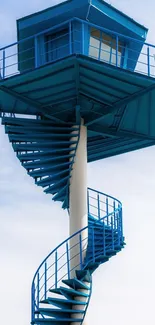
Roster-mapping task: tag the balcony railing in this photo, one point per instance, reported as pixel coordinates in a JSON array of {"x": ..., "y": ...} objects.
[{"x": 77, "y": 37}]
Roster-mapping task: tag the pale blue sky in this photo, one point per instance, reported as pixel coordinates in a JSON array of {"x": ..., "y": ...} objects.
[{"x": 31, "y": 225}]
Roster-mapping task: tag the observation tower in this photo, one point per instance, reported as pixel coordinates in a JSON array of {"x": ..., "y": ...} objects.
[{"x": 76, "y": 87}]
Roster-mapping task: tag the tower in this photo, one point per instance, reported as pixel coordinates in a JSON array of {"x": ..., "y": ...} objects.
[{"x": 76, "y": 88}]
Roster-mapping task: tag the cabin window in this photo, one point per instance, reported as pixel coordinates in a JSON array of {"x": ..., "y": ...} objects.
[
  {"x": 57, "y": 45},
  {"x": 103, "y": 47}
]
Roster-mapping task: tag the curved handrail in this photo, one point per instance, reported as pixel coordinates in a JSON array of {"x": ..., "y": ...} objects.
[
  {"x": 112, "y": 212},
  {"x": 109, "y": 196}
]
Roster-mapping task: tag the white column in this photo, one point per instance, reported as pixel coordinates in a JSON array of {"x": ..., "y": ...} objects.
[{"x": 78, "y": 199}]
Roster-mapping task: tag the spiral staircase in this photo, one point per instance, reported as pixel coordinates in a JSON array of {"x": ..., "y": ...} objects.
[{"x": 61, "y": 287}]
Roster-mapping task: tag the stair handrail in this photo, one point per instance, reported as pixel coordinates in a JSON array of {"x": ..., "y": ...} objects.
[{"x": 117, "y": 210}]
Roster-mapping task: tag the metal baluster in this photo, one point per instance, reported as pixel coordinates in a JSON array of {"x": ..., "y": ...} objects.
[
  {"x": 107, "y": 211},
  {"x": 121, "y": 224},
  {"x": 148, "y": 60},
  {"x": 83, "y": 39},
  {"x": 93, "y": 244},
  {"x": 68, "y": 266},
  {"x": 36, "y": 51},
  {"x": 99, "y": 55},
  {"x": 56, "y": 269},
  {"x": 118, "y": 228},
  {"x": 112, "y": 232},
  {"x": 116, "y": 50},
  {"x": 98, "y": 203},
  {"x": 3, "y": 64},
  {"x": 70, "y": 37},
  {"x": 45, "y": 287},
  {"x": 88, "y": 202},
  {"x": 104, "y": 248},
  {"x": 114, "y": 207},
  {"x": 38, "y": 291},
  {"x": 80, "y": 242}
]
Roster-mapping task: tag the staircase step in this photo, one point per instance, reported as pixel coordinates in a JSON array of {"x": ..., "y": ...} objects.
[
  {"x": 91, "y": 266},
  {"x": 62, "y": 303},
  {"x": 100, "y": 258},
  {"x": 75, "y": 284},
  {"x": 58, "y": 312},
  {"x": 84, "y": 275},
  {"x": 53, "y": 321},
  {"x": 68, "y": 292}
]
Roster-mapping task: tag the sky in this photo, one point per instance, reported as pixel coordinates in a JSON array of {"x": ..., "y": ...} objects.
[{"x": 31, "y": 225}]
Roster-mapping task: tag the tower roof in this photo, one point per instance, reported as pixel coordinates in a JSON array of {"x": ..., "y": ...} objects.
[{"x": 96, "y": 11}]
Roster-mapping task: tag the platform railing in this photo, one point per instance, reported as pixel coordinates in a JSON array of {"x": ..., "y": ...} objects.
[
  {"x": 57, "y": 265},
  {"x": 71, "y": 37}
]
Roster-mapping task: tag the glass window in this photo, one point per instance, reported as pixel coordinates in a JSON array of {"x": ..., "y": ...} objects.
[
  {"x": 57, "y": 45},
  {"x": 103, "y": 47}
]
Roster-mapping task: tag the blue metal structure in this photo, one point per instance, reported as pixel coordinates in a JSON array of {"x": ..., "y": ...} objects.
[{"x": 80, "y": 59}]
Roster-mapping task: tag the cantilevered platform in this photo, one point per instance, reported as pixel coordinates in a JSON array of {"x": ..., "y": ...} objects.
[{"x": 117, "y": 105}]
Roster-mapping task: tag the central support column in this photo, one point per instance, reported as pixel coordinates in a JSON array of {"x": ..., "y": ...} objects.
[
  {"x": 78, "y": 201},
  {"x": 78, "y": 212}
]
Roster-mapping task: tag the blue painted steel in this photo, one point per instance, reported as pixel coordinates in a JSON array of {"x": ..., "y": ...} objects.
[
  {"x": 62, "y": 84},
  {"x": 102, "y": 244},
  {"x": 29, "y": 59},
  {"x": 56, "y": 269},
  {"x": 45, "y": 279}
]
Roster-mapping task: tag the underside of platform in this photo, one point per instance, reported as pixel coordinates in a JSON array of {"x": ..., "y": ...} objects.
[{"x": 117, "y": 105}]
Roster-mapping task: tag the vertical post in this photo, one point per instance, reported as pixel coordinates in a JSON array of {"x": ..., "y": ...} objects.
[
  {"x": 70, "y": 37},
  {"x": 93, "y": 244},
  {"x": 99, "y": 54},
  {"x": 80, "y": 243},
  {"x": 98, "y": 205},
  {"x": 112, "y": 232},
  {"x": 107, "y": 211},
  {"x": 45, "y": 287},
  {"x": 36, "y": 51},
  {"x": 83, "y": 38},
  {"x": 68, "y": 266},
  {"x": 104, "y": 248},
  {"x": 3, "y": 64},
  {"x": 148, "y": 60},
  {"x": 56, "y": 269},
  {"x": 114, "y": 207},
  {"x": 88, "y": 202},
  {"x": 38, "y": 291},
  {"x": 121, "y": 224},
  {"x": 116, "y": 50}
]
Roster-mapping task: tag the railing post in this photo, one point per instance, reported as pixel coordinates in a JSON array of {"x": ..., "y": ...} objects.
[
  {"x": 45, "y": 288},
  {"x": 83, "y": 42},
  {"x": 93, "y": 244},
  {"x": 36, "y": 51},
  {"x": 56, "y": 269},
  {"x": 38, "y": 291},
  {"x": 107, "y": 211},
  {"x": 112, "y": 232},
  {"x": 104, "y": 248},
  {"x": 88, "y": 202},
  {"x": 148, "y": 60},
  {"x": 32, "y": 302},
  {"x": 70, "y": 37},
  {"x": 98, "y": 203},
  {"x": 68, "y": 266},
  {"x": 118, "y": 228},
  {"x": 114, "y": 207},
  {"x": 80, "y": 242},
  {"x": 3, "y": 64},
  {"x": 121, "y": 223},
  {"x": 116, "y": 50}
]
